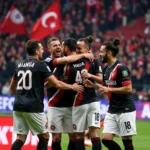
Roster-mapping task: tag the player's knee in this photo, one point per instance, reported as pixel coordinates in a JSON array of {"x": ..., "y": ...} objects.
[
  {"x": 44, "y": 136},
  {"x": 72, "y": 137},
  {"x": 79, "y": 136},
  {"x": 127, "y": 143},
  {"x": 94, "y": 132},
  {"x": 43, "y": 140},
  {"x": 57, "y": 137}
]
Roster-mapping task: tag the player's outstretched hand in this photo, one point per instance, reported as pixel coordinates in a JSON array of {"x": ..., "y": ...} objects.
[
  {"x": 86, "y": 75},
  {"x": 103, "y": 90},
  {"x": 90, "y": 56},
  {"x": 78, "y": 88},
  {"x": 87, "y": 83}
]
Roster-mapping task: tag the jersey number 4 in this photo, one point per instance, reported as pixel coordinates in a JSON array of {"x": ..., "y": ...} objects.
[
  {"x": 25, "y": 80},
  {"x": 78, "y": 77}
]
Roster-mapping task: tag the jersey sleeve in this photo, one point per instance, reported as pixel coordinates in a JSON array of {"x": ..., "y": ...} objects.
[
  {"x": 58, "y": 71},
  {"x": 96, "y": 67},
  {"x": 44, "y": 68},
  {"x": 124, "y": 75},
  {"x": 52, "y": 63}
]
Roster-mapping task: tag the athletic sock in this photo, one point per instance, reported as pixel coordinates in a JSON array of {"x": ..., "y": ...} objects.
[
  {"x": 72, "y": 145},
  {"x": 80, "y": 144},
  {"x": 43, "y": 144},
  {"x": 17, "y": 145},
  {"x": 128, "y": 144},
  {"x": 56, "y": 145},
  {"x": 111, "y": 145},
  {"x": 96, "y": 143}
]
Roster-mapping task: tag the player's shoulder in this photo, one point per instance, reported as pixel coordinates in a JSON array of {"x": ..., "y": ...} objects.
[
  {"x": 121, "y": 65},
  {"x": 48, "y": 59}
]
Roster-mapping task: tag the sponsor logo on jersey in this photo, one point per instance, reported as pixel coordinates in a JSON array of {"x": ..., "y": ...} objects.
[
  {"x": 110, "y": 82},
  {"x": 79, "y": 65}
]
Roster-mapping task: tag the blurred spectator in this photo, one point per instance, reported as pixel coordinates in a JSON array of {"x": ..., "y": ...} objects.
[
  {"x": 77, "y": 23},
  {"x": 147, "y": 29},
  {"x": 135, "y": 95},
  {"x": 147, "y": 17},
  {"x": 147, "y": 78},
  {"x": 4, "y": 75},
  {"x": 5, "y": 89}
]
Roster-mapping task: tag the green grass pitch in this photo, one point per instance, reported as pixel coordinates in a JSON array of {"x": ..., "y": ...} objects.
[{"x": 141, "y": 141}]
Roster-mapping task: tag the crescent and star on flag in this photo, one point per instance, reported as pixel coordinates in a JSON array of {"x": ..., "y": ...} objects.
[{"x": 46, "y": 17}]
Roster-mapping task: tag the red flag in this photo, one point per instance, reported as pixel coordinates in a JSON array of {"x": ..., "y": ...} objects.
[
  {"x": 14, "y": 22},
  {"x": 117, "y": 5},
  {"x": 90, "y": 3},
  {"x": 48, "y": 23}
]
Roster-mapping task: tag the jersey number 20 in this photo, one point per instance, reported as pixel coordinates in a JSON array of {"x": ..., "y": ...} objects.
[{"x": 25, "y": 81}]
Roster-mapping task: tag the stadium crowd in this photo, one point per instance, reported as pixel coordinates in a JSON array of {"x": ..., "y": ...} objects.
[{"x": 135, "y": 53}]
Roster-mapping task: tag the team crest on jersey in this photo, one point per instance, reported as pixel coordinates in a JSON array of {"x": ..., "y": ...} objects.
[
  {"x": 110, "y": 82},
  {"x": 125, "y": 73},
  {"x": 74, "y": 126},
  {"x": 53, "y": 127}
]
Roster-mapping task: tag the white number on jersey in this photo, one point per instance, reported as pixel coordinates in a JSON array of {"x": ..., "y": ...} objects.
[
  {"x": 22, "y": 81},
  {"x": 78, "y": 77}
]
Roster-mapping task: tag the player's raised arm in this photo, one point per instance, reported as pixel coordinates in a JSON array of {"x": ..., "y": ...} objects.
[{"x": 73, "y": 58}]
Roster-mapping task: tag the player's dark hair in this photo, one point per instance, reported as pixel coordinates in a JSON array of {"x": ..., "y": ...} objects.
[
  {"x": 113, "y": 46},
  {"x": 87, "y": 40},
  {"x": 32, "y": 46},
  {"x": 50, "y": 40},
  {"x": 71, "y": 43}
]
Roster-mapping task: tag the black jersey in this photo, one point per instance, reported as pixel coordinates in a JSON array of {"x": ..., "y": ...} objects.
[
  {"x": 118, "y": 75},
  {"x": 62, "y": 98},
  {"x": 30, "y": 76},
  {"x": 52, "y": 63},
  {"x": 72, "y": 74}
]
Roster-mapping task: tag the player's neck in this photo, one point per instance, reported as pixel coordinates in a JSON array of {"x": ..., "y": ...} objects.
[
  {"x": 111, "y": 62},
  {"x": 35, "y": 56}
]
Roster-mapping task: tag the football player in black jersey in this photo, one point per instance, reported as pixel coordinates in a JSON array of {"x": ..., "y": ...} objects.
[
  {"x": 86, "y": 109},
  {"x": 28, "y": 86},
  {"x": 121, "y": 117},
  {"x": 55, "y": 59}
]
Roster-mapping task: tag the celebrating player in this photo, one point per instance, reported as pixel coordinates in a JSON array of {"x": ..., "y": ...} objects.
[
  {"x": 28, "y": 86},
  {"x": 121, "y": 117}
]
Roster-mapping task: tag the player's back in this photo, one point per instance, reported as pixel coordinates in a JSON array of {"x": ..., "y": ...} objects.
[{"x": 30, "y": 75}]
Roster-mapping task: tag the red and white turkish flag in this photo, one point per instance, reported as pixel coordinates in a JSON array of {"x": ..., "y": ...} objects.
[
  {"x": 90, "y": 3},
  {"x": 14, "y": 22},
  {"x": 48, "y": 23},
  {"x": 117, "y": 5}
]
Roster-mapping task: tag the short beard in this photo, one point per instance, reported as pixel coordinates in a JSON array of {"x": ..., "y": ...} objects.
[{"x": 104, "y": 60}]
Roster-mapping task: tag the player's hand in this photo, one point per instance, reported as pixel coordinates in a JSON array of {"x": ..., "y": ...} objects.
[
  {"x": 90, "y": 56},
  {"x": 103, "y": 90},
  {"x": 78, "y": 88},
  {"x": 87, "y": 83},
  {"x": 86, "y": 75}
]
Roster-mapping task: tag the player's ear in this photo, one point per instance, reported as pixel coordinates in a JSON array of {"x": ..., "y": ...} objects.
[
  {"x": 49, "y": 49},
  {"x": 36, "y": 52}
]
